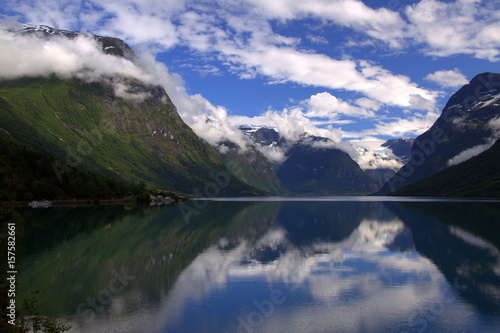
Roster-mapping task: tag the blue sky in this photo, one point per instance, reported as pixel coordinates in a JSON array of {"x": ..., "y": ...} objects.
[{"x": 361, "y": 70}]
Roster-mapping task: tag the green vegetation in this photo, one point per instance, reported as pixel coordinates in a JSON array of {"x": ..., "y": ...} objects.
[
  {"x": 253, "y": 168},
  {"x": 26, "y": 175},
  {"x": 86, "y": 126},
  {"x": 476, "y": 177}
]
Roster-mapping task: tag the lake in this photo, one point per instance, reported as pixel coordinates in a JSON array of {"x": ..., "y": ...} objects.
[{"x": 340, "y": 264}]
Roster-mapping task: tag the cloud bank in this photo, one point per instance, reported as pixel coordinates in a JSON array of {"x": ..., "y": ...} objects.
[{"x": 82, "y": 57}]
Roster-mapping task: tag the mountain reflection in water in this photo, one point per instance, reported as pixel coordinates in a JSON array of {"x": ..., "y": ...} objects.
[{"x": 275, "y": 266}]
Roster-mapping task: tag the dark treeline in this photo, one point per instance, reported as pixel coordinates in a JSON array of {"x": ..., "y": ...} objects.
[{"x": 26, "y": 174}]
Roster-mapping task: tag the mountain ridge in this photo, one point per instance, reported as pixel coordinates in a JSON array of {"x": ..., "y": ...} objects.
[
  {"x": 464, "y": 123},
  {"x": 118, "y": 126}
]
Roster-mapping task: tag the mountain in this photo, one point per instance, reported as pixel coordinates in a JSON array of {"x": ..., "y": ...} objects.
[
  {"x": 467, "y": 126},
  {"x": 322, "y": 170},
  {"x": 380, "y": 175},
  {"x": 311, "y": 165},
  {"x": 266, "y": 137},
  {"x": 476, "y": 177},
  {"x": 401, "y": 148},
  {"x": 119, "y": 127},
  {"x": 110, "y": 45},
  {"x": 390, "y": 163},
  {"x": 26, "y": 174},
  {"x": 253, "y": 168}
]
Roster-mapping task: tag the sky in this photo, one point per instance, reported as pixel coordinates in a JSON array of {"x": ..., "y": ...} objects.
[{"x": 350, "y": 70}]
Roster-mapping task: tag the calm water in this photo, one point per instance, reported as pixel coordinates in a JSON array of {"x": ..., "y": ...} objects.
[{"x": 269, "y": 265}]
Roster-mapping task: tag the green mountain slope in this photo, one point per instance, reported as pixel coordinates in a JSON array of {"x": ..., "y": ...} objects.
[
  {"x": 476, "y": 177},
  {"x": 86, "y": 125},
  {"x": 253, "y": 168},
  {"x": 26, "y": 174}
]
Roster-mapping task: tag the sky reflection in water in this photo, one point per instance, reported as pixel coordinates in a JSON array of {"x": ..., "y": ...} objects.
[{"x": 312, "y": 267}]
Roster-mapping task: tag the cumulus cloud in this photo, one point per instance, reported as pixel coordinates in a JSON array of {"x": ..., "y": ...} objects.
[
  {"x": 81, "y": 57},
  {"x": 286, "y": 64},
  {"x": 369, "y": 160},
  {"x": 379, "y": 23},
  {"x": 325, "y": 105},
  {"x": 448, "y": 78},
  {"x": 209, "y": 121},
  {"x": 457, "y": 27},
  {"x": 465, "y": 27},
  {"x": 243, "y": 39}
]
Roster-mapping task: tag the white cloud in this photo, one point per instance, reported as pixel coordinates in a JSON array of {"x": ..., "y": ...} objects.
[
  {"x": 285, "y": 64},
  {"x": 138, "y": 22},
  {"x": 28, "y": 55},
  {"x": 459, "y": 27},
  {"x": 379, "y": 23},
  {"x": 243, "y": 37},
  {"x": 145, "y": 21},
  {"x": 58, "y": 14},
  {"x": 210, "y": 122},
  {"x": 82, "y": 57},
  {"x": 371, "y": 160},
  {"x": 443, "y": 28},
  {"x": 418, "y": 102},
  {"x": 448, "y": 78},
  {"x": 414, "y": 125},
  {"x": 292, "y": 124},
  {"x": 371, "y": 155},
  {"x": 317, "y": 39},
  {"x": 368, "y": 104},
  {"x": 494, "y": 126},
  {"x": 469, "y": 153},
  {"x": 325, "y": 105}
]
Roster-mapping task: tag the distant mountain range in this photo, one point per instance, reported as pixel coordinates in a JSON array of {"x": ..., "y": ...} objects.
[
  {"x": 313, "y": 165},
  {"x": 137, "y": 136},
  {"x": 310, "y": 170},
  {"x": 401, "y": 148}
]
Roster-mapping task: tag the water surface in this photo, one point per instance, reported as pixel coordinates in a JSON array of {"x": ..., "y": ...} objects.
[{"x": 270, "y": 265}]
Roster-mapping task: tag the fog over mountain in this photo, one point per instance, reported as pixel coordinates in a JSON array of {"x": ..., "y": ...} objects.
[{"x": 81, "y": 56}]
